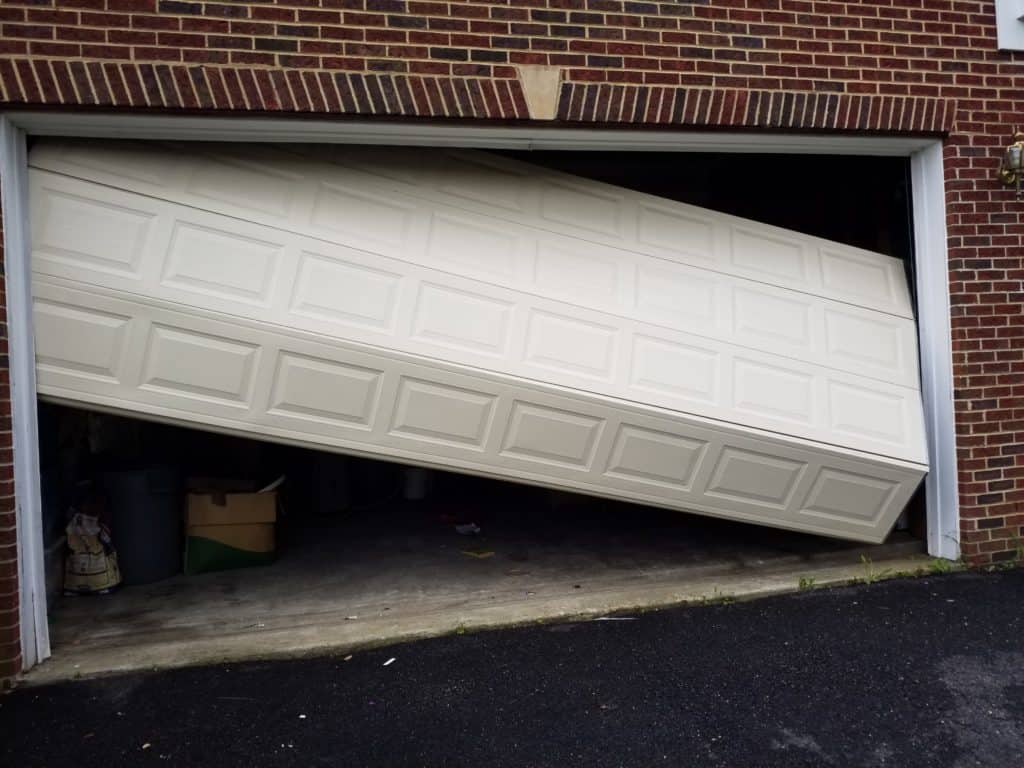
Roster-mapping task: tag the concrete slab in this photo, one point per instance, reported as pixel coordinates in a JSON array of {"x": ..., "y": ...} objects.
[{"x": 402, "y": 572}]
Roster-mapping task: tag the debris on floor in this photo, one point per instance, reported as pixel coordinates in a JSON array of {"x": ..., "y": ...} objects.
[
  {"x": 468, "y": 529},
  {"x": 479, "y": 554}
]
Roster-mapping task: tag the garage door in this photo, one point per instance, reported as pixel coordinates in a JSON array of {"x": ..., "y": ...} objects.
[{"x": 461, "y": 310}]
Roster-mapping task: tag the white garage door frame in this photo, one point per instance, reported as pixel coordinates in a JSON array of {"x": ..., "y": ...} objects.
[{"x": 932, "y": 285}]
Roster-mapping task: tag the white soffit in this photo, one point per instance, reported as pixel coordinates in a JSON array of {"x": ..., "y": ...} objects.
[{"x": 453, "y": 308}]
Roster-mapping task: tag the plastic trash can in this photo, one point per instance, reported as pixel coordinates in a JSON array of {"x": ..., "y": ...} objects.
[{"x": 145, "y": 520}]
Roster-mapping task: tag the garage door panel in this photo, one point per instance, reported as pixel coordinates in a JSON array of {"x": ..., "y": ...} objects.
[
  {"x": 81, "y": 340},
  {"x": 343, "y": 288},
  {"x": 319, "y": 390},
  {"x": 358, "y": 399},
  {"x": 247, "y": 270},
  {"x": 654, "y": 226},
  {"x": 552, "y": 436},
  {"x": 721, "y": 242},
  {"x": 79, "y": 230},
  {"x": 650, "y": 456},
  {"x": 203, "y": 366},
  {"x": 462, "y": 319},
  {"x": 265, "y": 188},
  {"x": 483, "y": 326},
  {"x": 580, "y": 273},
  {"x": 426, "y": 410},
  {"x": 527, "y": 337},
  {"x": 212, "y": 260}
]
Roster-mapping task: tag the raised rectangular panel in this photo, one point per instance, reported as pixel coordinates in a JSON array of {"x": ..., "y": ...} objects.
[
  {"x": 568, "y": 344},
  {"x": 865, "y": 412},
  {"x": 459, "y": 319},
  {"x": 769, "y": 255},
  {"x": 772, "y": 318},
  {"x": 589, "y": 272},
  {"x": 344, "y": 292},
  {"x": 872, "y": 339},
  {"x": 132, "y": 161},
  {"x": 682, "y": 299},
  {"x": 481, "y": 182},
  {"x": 580, "y": 207},
  {"x": 675, "y": 369},
  {"x": 362, "y": 214},
  {"x": 88, "y": 232},
  {"x": 324, "y": 390},
  {"x": 755, "y": 478},
  {"x": 199, "y": 365},
  {"x": 673, "y": 231},
  {"x": 440, "y": 413},
  {"x": 206, "y": 260},
  {"x": 79, "y": 340},
  {"x": 383, "y": 162},
  {"x": 848, "y": 496},
  {"x": 470, "y": 242},
  {"x": 650, "y": 456},
  {"x": 262, "y": 189},
  {"x": 551, "y": 436},
  {"x": 867, "y": 279},
  {"x": 773, "y": 391}
]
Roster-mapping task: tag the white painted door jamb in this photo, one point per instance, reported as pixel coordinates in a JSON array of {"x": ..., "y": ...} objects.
[
  {"x": 933, "y": 328},
  {"x": 35, "y": 635}
]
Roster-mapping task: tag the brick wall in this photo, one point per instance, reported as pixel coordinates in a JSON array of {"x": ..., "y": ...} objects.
[{"x": 922, "y": 66}]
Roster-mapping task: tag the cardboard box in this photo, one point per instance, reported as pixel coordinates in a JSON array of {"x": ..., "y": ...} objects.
[{"x": 228, "y": 530}]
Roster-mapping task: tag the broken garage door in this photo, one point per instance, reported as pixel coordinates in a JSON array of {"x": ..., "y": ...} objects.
[{"x": 461, "y": 310}]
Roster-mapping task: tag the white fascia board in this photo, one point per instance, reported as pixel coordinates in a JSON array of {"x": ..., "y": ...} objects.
[{"x": 421, "y": 133}]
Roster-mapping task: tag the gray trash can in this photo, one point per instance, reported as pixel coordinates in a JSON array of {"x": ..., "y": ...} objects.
[{"x": 145, "y": 520}]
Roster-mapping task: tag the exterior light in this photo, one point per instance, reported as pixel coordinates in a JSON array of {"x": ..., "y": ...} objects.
[{"x": 1011, "y": 167}]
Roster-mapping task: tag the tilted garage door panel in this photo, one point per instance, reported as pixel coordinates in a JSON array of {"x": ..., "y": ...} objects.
[
  {"x": 95, "y": 346},
  {"x": 246, "y": 269},
  {"x": 388, "y": 195},
  {"x": 492, "y": 337},
  {"x": 800, "y": 296}
]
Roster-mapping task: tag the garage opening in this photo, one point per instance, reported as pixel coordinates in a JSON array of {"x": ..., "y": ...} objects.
[
  {"x": 366, "y": 551},
  {"x": 172, "y": 325}
]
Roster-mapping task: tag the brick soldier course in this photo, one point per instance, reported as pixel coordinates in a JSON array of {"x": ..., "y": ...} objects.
[{"x": 920, "y": 67}]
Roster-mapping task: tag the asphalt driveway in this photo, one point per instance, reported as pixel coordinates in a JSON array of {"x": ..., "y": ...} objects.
[{"x": 923, "y": 672}]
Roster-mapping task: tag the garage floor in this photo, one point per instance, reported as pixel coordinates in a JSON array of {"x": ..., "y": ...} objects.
[{"x": 401, "y": 571}]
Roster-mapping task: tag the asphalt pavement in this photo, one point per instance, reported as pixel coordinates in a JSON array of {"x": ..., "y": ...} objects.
[{"x": 912, "y": 672}]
